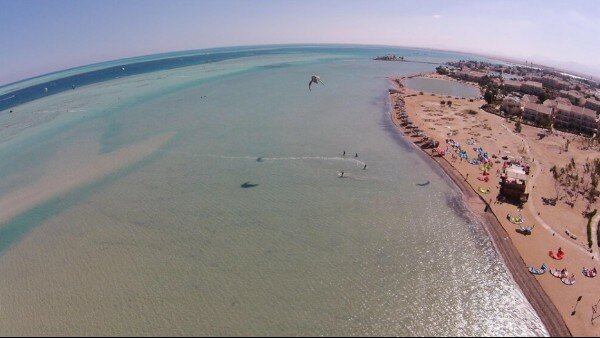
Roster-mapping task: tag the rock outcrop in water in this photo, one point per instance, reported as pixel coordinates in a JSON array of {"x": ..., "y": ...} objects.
[{"x": 389, "y": 57}]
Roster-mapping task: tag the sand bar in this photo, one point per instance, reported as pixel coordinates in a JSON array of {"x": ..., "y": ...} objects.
[{"x": 65, "y": 175}]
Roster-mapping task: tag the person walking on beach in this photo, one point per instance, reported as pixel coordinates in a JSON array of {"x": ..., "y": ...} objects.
[{"x": 356, "y": 155}]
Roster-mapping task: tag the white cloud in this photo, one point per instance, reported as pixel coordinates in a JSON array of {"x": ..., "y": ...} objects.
[{"x": 437, "y": 16}]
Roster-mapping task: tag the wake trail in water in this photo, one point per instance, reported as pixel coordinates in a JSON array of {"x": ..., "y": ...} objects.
[
  {"x": 7, "y": 98},
  {"x": 292, "y": 158}
]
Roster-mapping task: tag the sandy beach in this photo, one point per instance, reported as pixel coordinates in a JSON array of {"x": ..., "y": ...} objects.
[{"x": 471, "y": 127}]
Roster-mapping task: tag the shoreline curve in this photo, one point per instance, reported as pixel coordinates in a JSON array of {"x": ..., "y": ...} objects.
[{"x": 531, "y": 288}]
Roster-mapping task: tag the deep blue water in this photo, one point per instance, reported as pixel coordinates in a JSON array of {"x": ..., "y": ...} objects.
[{"x": 184, "y": 59}]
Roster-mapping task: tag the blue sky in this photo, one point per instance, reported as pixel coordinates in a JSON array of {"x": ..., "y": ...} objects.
[{"x": 39, "y": 36}]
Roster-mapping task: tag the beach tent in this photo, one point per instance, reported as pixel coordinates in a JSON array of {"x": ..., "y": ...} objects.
[
  {"x": 589, "y": 272},
  {"x": 518, "y": 219},
  {"x": 558, "y": 255},
  {"x": 569, "y": 280},
  {"x": 539, "y": 271}
]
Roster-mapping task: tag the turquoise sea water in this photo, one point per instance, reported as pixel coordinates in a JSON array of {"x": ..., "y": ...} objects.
[{"x": 172, "y": 243}]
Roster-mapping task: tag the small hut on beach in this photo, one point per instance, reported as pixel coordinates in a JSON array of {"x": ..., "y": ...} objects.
[{"x": 513, "y": 184}]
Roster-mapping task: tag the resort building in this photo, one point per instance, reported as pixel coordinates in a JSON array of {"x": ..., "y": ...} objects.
[
  {"x": 470, "y": 75},
  {"x": 511, "y": 105},
  {"x": 562, "y": 117},
  {"x": 513, "y": 184},
  {"x": 529, "y": 98},
  {"x": 550, "y": 82},
  {"x": 536, "y": 78},
  {"x": 532, "y": 87},
  {"x": 560, "y": 84},
  {"x": 593, "y": 104},
  {"x": 538, "y": 114},
  {"x": 584, "y": 120},
  {"x": 574, "y": 95},
  {"x": 512, "y": 86},
  {"x": 579, "y": 119},
  {"x": 550, "y": 103},
  {"x": 563, "y": 100}
]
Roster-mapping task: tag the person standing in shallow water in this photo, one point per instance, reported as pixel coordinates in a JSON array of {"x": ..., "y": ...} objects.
[
  {"x": 356, "y": 155},
  {"x": 365, "y": 167},
  {"x": 344, "y": 154}
]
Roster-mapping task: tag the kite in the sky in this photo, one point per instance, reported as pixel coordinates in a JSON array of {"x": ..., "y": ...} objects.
[{"x": 314, "y": 79}]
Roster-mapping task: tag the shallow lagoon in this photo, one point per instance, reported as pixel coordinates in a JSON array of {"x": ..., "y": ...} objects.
[{"x": 166, "y": 241}]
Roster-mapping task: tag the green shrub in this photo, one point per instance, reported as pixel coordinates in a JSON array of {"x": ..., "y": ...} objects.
[
  {"x": 589, "y": 227},
  {"x": 518, "y": 127}
]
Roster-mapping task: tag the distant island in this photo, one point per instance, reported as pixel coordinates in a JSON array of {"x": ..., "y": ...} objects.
[{"x": 389, "y": 57}]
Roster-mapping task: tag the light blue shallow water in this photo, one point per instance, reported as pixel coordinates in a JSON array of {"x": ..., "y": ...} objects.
[{"x": 172, "y": 243}]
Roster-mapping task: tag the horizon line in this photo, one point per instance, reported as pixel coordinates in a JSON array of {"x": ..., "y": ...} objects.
[{"x": 510, "y": 59}]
